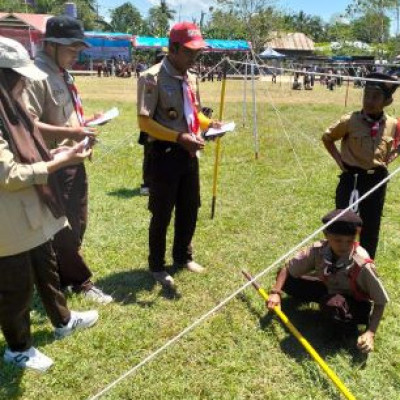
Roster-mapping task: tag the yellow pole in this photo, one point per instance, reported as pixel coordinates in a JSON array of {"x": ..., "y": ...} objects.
[
  {"x": 303, "y": 341},
  {"x": 218, "y": 142}
]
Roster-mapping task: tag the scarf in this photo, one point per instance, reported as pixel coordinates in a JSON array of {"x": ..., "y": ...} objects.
[
  {"x": 374, "y": 124},
  {"x": 189, "y": 106},
  {"x": 28, "y": 147},
  {"x": 76, "y": 99},
  {"x": 333, "y": 263}
]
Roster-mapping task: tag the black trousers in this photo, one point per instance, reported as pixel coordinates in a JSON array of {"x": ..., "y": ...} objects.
[
  {"x": 19, "y": 273},
  {"x": 67, "y": 243},
  {"x": 175, "y": 185},
  {"x": 370, "y": 209},
  {"x": 335, "y": 307}
]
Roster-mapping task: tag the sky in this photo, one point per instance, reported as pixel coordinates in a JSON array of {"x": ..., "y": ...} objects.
[{"x": 187, "y": 9}]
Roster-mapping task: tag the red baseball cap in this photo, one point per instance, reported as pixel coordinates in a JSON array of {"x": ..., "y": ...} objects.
[{"x": 188, "y": 35}]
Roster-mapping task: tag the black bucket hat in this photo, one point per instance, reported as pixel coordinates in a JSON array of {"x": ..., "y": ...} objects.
[{"x": 65, "y": 30}]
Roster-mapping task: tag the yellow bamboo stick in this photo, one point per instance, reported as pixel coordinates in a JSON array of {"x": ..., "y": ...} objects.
[
  {"x": 218, "y": 143},
  {"x": 303, "y": 341}
]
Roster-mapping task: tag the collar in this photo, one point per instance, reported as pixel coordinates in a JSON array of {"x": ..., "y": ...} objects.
[
  {"x": 170, "y": 69},
  {"x": 370, "y": 120},
  {"x": 43, "y": 59},
  {"x": 333, "y": 264}
]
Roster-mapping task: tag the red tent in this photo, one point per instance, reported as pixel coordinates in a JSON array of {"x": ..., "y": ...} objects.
[{"x": 27, "y": 29}]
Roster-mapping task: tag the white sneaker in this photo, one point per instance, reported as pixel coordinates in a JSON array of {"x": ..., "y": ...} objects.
[
  {"x": 194, "y": 267},
  {"x": 78, "y": 320},
  {"x": 31, "y": 358},
  {"x": 97, "y": 295}
]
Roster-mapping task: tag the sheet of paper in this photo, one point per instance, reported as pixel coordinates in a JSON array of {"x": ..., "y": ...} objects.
[
  {"x": 107, "y": 116},
  {"x": 228, "y": 127}
]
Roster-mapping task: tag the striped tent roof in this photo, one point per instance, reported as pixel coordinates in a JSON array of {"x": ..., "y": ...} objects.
[{"x": 292, "y": 41}]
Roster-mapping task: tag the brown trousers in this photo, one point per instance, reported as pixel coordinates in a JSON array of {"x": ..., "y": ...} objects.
[
  {"x": 73, "y": 269},
  {"x": 19, "y": 273}
]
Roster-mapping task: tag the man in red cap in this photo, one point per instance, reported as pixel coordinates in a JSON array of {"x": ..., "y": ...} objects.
[{"x": 167, "y": 108}]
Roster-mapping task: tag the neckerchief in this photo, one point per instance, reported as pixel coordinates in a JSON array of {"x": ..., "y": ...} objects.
[
  {"x": 334, "y": 264},
  {"x": 375, "y": 124},
  {"x": 189, "y": 102},
  {"x": 76, "y": 99}
]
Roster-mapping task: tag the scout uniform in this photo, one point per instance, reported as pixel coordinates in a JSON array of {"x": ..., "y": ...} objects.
[
  {"x": 365, "y": 150},
  {"x": 51, "y": 102},
  {"x": 174, "y": 171},
  {"x": 345, "y": 287}
]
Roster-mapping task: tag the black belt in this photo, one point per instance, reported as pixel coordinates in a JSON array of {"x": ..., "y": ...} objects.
[{"x": 356, "y": 170}]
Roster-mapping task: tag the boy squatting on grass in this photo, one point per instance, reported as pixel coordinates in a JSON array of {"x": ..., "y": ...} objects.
[{"x": 338, "y": 274}]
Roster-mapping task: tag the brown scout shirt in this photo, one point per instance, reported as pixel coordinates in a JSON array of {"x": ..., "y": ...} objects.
[
  {"x": 50, "y": 100},
  {"x": 311, "y": 261},
  {"x": 357, "y": 147},
  {"x": 160, "y": 95}
]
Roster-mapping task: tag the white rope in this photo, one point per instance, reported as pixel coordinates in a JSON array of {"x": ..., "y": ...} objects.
[
  {"x": 296, "y": 156},
  {"x": 344, "y": 77},
  {"x": 238, "y": 291}
]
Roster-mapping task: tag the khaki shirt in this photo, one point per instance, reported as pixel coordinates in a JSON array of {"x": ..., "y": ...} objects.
[
  {"x": 312, "y": 261},
  {"x": 160, "y": 95},
  {"x": 357, "y": 147},
  {"x": 50, "y": 100}
]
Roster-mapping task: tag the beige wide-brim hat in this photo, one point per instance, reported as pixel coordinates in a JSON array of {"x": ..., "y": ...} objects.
[{"x": 13, "y": 55}]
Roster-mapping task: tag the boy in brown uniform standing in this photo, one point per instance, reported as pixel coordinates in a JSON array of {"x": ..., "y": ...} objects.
[
  {"x": 369, "y": 141},
  {"x": 168, "y": 111},
  {"x": 58, "y": 112}
]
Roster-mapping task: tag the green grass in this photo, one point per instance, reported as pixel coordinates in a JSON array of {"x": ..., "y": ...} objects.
[{"x": 264, "y": 208}]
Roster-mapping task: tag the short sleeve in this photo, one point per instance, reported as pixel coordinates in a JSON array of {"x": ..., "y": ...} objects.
[
  {"x": 302, "y": 263},
  {"x": 147, "y": 95},
  {"x": 338, "y": 130}
]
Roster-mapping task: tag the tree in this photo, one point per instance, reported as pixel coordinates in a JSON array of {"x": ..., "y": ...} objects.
[
  {"x": 310, "y": 25},
  {"x": 159, "y": 19},
  {"x": 86, "y": 9},
  {"x": 127, "y": 18},
  {"x": 370, "y": 28},
  {"x": 254, "y": 19}
]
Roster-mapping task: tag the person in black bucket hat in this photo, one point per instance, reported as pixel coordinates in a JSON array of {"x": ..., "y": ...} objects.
[
  {"x": 65, "y": 30},
  {"x": 59, "y": 114}
]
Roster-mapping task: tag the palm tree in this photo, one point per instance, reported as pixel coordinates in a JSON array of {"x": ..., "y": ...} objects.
[{"x": 159, "y": 18}]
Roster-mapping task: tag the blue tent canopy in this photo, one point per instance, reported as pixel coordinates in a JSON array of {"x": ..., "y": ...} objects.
[
  {"x": 106, "y": 45},
  {"x": 147, "y": 42}
]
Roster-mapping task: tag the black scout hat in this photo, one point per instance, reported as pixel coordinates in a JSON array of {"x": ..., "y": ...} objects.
[
  {"x": 346, "y": 224},
  {"x": 64, "y": 30},
  {"x": 386, "y": 87}
]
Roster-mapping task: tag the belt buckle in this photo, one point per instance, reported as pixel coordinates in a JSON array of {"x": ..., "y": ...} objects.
[{"x": 370, "y": 171}]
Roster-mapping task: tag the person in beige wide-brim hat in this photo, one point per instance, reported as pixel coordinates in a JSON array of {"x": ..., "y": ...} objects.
[{"x": 31, "y": 214}]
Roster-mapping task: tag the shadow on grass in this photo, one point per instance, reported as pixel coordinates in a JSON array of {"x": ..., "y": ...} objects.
[
  {"x": 125, "y": 193},
  {"x": 325, "y": 338},
  {"x": 126, "y": 285},
  {"x": 10, "y": 381}
]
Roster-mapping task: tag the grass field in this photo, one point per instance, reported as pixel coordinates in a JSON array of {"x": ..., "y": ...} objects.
[{"x": 264, "y": 208}]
